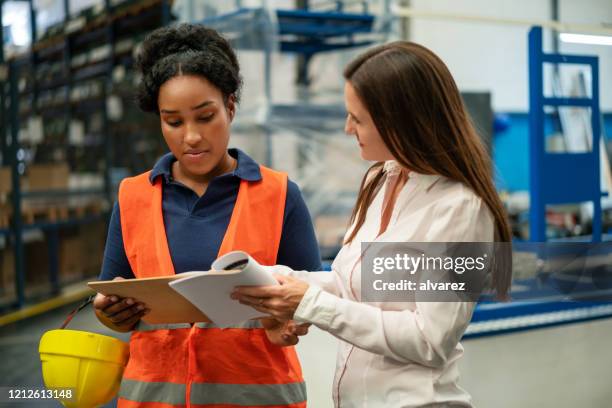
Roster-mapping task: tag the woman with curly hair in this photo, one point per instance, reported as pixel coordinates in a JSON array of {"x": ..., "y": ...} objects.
[{"x": 200, "y": 201}]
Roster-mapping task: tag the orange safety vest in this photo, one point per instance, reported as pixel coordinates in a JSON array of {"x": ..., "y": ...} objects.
[{"x": 200, "y": 365}]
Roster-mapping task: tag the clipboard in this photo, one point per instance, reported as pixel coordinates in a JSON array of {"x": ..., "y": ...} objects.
[
  {"x": 166, "y": 304},
  {"x": 182, "y": 298}
]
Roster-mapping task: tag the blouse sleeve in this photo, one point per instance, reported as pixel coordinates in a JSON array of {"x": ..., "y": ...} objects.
[{"x": 327, "y": 281}]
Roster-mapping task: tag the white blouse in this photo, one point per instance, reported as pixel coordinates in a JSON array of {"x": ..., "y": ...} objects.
[{"x": 398, "y": 354}]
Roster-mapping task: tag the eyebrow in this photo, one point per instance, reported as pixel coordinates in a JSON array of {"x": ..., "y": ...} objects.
[{"x": 203, "y": 104}]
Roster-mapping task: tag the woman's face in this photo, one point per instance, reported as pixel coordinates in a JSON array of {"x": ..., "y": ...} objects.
[
  {"x": 359, "y": 123},
  {"x": 195, "y": 122}
]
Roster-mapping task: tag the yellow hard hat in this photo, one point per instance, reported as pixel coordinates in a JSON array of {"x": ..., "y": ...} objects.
[{"x": 90, "y": 365}]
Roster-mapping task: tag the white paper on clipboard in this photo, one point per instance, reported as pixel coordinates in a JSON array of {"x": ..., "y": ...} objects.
[{"x": 210, "y": 292}]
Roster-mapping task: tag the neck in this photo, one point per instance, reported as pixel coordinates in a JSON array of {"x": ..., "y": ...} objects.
[
  {"x": 197, "y": 182},
  {"x": 392, "y": 190}
]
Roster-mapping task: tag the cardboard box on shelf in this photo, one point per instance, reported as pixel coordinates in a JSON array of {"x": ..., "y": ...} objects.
[
  {"x": 7, "y": 272},
  {"x": 36, "y": 259},
  {"x": 5, "y": 184},
  {"x": 93, "y": 238},
  {"x": 5, "y": 179},
  {"x": 53, "y": 176},
  {"x": 71, "y": 258},
  {"x": 5, "y": 214}
]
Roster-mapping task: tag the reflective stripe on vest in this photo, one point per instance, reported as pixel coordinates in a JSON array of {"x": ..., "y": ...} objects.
[
  {"x": 140, "y": 391},
  {"x": 209, "y": 365},
  {"x": 247, "y": 395},
  {"x": 249, "y": 324}
]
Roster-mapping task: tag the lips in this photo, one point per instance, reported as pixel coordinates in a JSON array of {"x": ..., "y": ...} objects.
[
  {"x": 195, "y": 152},
  {"x": 195, "y": 156}
]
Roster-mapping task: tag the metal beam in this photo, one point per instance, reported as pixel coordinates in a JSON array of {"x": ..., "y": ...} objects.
[
  {"x": 554, "y": 8},
  {"x": 16, "y": 166},
  {"x": 595, "y": 29},
  {"x": 3, "y": 80}
]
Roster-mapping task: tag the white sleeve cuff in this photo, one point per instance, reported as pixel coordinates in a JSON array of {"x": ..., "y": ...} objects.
[{"x": 317, "y": 307}]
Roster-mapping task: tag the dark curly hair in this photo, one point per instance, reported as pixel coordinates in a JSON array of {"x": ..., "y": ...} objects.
[{"x": 186, "y": 49}]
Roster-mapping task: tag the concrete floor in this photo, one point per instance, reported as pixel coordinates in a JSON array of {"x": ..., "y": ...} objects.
[{"x": 565, "y": 366}]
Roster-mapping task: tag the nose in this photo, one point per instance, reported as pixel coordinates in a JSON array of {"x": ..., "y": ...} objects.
[
  {"x": 192, "y": 135},
  {"x": 348, "y": 126}
]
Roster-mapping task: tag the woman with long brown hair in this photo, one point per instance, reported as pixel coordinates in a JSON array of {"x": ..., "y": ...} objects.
[{"x": 431, "y": 182}]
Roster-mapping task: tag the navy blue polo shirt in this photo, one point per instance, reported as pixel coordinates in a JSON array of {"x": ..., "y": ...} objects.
[{"x": 195, "y": 226}]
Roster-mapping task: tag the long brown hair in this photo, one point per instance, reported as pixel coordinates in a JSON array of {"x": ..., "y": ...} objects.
[{"x": 418, "y": 111}]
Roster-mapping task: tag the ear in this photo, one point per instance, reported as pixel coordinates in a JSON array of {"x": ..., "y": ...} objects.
[{"x": 231, "y": 106}]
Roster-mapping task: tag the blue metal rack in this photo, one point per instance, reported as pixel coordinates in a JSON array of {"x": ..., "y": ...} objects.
[
  {"x": 555, "y": 178},
  {"x": 308, "y": 33},
  {"x": 3, "y": 81},
  {"x": 560, "y": 178},
  {"x": 305, "y": 31}
]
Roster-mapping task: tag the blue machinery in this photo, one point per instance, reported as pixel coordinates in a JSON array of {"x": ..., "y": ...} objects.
[
  {"x": 309, "y": 32},
  {"x": 578, "y": 174}
]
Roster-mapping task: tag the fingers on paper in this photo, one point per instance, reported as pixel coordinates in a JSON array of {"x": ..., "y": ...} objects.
[{"x": 258, "y": 291}]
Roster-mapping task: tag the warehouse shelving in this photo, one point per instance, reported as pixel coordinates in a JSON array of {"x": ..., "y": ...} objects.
[
  {"x": 69, "y": 74},
  {"x": 581, "y": 171}
]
